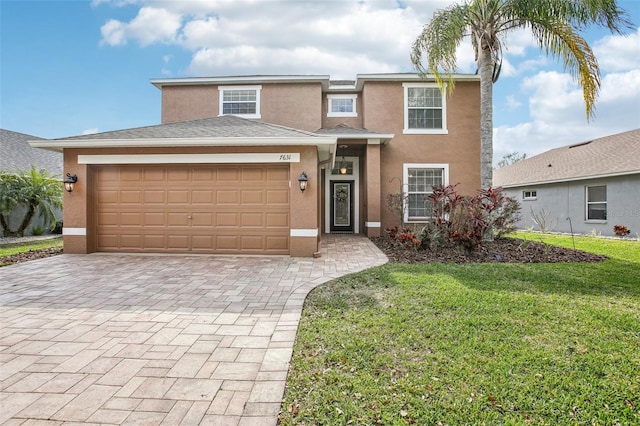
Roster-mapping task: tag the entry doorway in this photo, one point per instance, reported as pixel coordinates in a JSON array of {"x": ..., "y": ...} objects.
[
  {"x": 342, "y": 206},
  {"x": 352, "y": 178}
]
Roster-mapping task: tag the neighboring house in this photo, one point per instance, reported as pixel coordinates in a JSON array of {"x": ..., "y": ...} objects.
[
  {"x": 221, "y": 173},
  {"x": 17, "y": 155},
  {"x": 585, "y": 187}
]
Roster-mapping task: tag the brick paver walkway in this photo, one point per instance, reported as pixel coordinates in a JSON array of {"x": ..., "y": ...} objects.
[{"x": 124, "y": 339}]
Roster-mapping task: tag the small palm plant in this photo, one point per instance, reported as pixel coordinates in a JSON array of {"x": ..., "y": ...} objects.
[{"x": 37, "y": 190}]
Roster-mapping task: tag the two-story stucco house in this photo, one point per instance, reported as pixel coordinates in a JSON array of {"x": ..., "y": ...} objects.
[{"x": 222, "y": 173}]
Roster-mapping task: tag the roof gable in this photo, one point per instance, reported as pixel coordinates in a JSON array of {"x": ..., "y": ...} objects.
[{"x": 608, "y": 156}]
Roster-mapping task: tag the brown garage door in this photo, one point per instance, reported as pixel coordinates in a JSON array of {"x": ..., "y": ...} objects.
[{"x": 192, "y": 208}]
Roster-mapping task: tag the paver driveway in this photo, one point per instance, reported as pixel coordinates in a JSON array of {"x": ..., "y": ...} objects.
[{"x": 157, "y": 339}]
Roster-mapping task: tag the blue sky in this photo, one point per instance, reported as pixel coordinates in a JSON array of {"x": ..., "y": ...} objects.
[{"x": 74, "y": 67}]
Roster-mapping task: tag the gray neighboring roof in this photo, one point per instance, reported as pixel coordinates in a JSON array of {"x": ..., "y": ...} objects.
[
  {"x": 608, "y": 156},
  {"x": 16, "y": 154}
]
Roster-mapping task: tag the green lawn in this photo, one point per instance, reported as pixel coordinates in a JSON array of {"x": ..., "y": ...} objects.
[{"x": 549, "y": 344}]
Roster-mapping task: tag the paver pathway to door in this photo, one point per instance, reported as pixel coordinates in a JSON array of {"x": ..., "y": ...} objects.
[{"x": 134, "y": 339}]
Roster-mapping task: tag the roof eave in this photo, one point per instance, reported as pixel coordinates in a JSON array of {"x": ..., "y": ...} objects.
[
  {"x": 60, "y": 145},
  {"x": 256, "y": 79},
  {"x": 572, "y": 179},
  {"x": 362, "y": 78}
]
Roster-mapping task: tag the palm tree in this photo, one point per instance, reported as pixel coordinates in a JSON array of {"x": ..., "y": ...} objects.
[
  {"x": 33, "y": 189},
  {"x": 555, "y": 25}
]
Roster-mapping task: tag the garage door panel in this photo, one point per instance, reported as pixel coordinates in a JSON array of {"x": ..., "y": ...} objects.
[
  {"x": 253, "y": 174},
  {"x": 277, "y": 243},
  {"x": 154, "y": 174},
  {"x": 252, "y": 197},
  {"x": 252, "y": 220},
  {"x": 227, "y": 197},
  {"x": 227, "y": 219},
  {"x": 154, "y": 197},
  {"x": 201, "y": 197},
  {"x": 202, "y": 219},
  {"x": 177, "y": 219},
  {"x": 226, "y": 242},
  {"x": 107, "y": 219},
  {"x": 154, "y": 218},
  {"x": 180, "y": 196},
  {"x": 155, "y": 242},
  {"x": 131, "y": 174},
  {"x": 278, "y": 175},
  {"x": 131, "y": 219},
  {"x": 277, "y": 220},
  {"x": 227, "y": 174},
  {"x": 178, "y": 174},
  {"x": 130, "y": 197},
  {"x": 278, "y": 197},
  {"x": 178, "y": 242},
  {"x": 193, "y": 208}
]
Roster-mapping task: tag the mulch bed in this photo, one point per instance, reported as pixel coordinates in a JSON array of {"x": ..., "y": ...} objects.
[
  {"x": 505, "y": 250},
  {"x": 30, "y": 255}
]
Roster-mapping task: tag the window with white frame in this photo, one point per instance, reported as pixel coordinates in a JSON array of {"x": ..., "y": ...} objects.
[
  {"x": 596, "y": 208},
  {"x": 529, "y": 195},
  {"x": 342, "y": 106},
  {"x": 243, "y": 101},
  {"x": 418, "y": 183},
  {"x": 424, "y": 109}
]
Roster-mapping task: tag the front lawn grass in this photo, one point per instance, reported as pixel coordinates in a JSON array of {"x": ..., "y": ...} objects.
[
  {"x": 13, "y": 249},
  {"x": 426, "y": 344}
]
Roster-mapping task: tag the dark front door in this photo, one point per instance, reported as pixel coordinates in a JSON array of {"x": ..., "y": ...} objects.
[{"x": 342, "y": 206}]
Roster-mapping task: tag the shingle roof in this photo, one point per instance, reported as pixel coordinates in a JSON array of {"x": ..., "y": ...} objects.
[
  {"x": 342, "y": 129},
  {"x": 226, "y": 126},
  {"x": 608, "y": 156},
  {"x": 17, "y": 154}
]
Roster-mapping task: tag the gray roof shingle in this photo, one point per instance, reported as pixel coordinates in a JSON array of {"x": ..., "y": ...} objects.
[
  {"x": 226, "y": 126},
  {"x": 16, "y": 154},
  {"x": 617, "y": 154}
]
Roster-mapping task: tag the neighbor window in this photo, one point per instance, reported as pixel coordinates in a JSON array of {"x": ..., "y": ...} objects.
[
  {"x": 342, "y": 106},
  {"x": 424, "y": 109},
  {"x": 243, "y": 101},
  {"x": 529, "y": 195},
  {"x": 419, "y": 180},
  {"x": 596, "y": 203}
]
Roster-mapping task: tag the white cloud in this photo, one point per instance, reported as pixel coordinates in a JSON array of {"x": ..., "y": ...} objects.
[
  {"x": 513, "y": 103},
  {"x": 618, "y": 53},
  {"x": 151, "y": 25},
  {"x": 558, "y": 117},
  {"x": 90, "y": 131}
]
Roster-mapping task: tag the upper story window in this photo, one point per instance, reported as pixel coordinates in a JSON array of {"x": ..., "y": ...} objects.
[
  {"x": 596, "y": 208},
  {"x": 342, "y": 106},
  {"x": 424, "y": 109},
  {"x": 243, "y": 101},
  {"x": 418, "y": 183}
]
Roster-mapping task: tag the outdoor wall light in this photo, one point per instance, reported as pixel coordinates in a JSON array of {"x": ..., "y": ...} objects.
[
  {"x": 70, "y": 182},
  {"x": 343, "y": 164},
  {"x": 302, "y": 181}
]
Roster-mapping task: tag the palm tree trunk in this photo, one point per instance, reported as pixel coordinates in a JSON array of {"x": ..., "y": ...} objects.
[{"x": 485, "y": 66}]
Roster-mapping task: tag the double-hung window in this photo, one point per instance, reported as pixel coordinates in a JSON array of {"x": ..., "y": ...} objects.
[
  {"x": 342, "y": 106},
  {"x": 418, "y": 183},
  {"x": 596, "y": 208},
  {"x": 424, "y": 109},
  {"x": 243, "y": 101}
]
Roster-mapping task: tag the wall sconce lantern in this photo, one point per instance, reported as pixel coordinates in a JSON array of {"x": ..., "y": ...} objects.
[
  {"x": 70, "y": 182},
  {"x": 302, "y": 181}
]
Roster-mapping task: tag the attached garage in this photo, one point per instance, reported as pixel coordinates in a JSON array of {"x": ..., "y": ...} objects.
[
  {"x": 219, "y": 185},
  {"x": 192, "y": 208}
]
